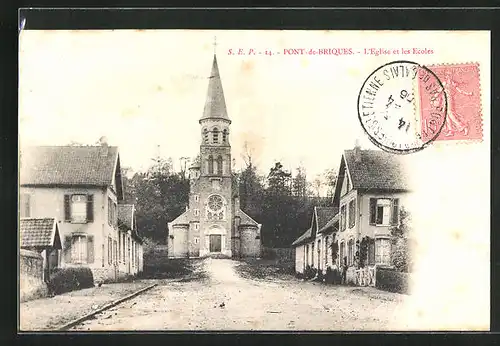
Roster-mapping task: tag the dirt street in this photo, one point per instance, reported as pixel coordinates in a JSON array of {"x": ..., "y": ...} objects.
[{"x": 223, "y": 300}]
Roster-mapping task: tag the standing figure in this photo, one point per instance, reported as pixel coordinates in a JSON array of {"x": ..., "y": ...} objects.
[
  {"x": 453, "y": 122},
  {"x": 344, "y": 271}
]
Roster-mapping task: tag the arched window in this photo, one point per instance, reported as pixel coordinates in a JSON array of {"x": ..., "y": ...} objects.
[
  {"x": 224, "y": 136},
  {"x": 215, "y": 135},
  {"x": 210, "y": 164},
  {"x": 219, "y": 165},
  {"x": 205, "y": 135}
]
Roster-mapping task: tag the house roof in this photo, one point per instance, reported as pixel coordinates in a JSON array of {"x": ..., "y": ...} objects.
[
  {"x": 126, "y": 215},
  {"x": 68, "y": 165},
  {"x": 330, "y": 224},
  {"x": 245, "y": 219},
  {"x": 39, "y": 233},
  {"x": 215, "y": 104},
  {"x": 323, "y": 215},
  {"x": 303, "y": 238},
  {"x": 376, "y": 169}
]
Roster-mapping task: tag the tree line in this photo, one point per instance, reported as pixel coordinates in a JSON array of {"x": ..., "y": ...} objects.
[{"x": 281, "y": 200}]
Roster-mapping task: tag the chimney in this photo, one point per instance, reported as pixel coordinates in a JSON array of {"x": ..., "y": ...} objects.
[
  {"x": 103, "y": 142},
  {"x": 357, "y": 151}
]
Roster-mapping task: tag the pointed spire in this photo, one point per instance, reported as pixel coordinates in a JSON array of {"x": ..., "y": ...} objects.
[{"x": 215, "y": 105}]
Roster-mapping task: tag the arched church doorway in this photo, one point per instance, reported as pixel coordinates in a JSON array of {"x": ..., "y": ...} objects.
[{"x": 216, "y": 239}]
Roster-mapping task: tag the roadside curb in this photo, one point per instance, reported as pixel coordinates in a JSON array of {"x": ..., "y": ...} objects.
[{"x": 104, "y": 308}]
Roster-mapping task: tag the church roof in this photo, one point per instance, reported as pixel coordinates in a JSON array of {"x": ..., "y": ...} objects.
[
  {"x": 245, "y": 220},
  {"x": 182, "y": 219},
  {"x": 215, "y": 105}
]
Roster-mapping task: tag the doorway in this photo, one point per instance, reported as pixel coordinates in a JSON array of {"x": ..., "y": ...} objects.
[{"x": 215, "y": 242}]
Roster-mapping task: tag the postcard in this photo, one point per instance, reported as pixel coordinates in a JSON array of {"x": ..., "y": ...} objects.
[{"x": 254, "y": 180}]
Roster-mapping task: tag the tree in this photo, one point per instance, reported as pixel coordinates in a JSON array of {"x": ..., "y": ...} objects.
[
  {"x": 160, "y": 195},
  {"x": 330, "y": 179},
  {"x": 299, "y": 183},
  {"x": 401, "y": 252},
  {"x": 317, "y": 185}
]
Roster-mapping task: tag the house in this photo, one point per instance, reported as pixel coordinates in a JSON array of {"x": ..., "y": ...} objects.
[
  {"x": 129, "y": 240},
  {"x": 372, "y": 186},
  {"x": 311, "y": 248},
  {"x": 42, "y": 236},
  {"x": 81, "y": 187}
]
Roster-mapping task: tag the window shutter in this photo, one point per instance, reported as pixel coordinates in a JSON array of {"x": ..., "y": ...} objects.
[
  {"x": 373, "y": 210},
  {"x": 90, "y": 249},
  {"x": 67, "y": 208},
  {"x": 90, "y": 208},
  {"x": 67, "y": 249},
  {"x": 395, "y": 211}
]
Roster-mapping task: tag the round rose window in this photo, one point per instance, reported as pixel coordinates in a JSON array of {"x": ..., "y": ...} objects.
[{"x": 215, "y": 203}]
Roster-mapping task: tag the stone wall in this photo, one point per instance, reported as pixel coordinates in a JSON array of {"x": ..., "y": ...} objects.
[{"x": 31, "y": 282}]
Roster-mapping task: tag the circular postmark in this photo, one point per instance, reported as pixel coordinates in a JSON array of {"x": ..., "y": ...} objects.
[{"x": 402, "y": 107}]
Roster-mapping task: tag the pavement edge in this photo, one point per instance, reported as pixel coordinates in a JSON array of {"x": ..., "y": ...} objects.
[{"x": 104, "y": 308}]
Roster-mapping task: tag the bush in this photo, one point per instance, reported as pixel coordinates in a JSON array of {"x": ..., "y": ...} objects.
[
  {"x": 70, "y": 279},
  {"x": 309, "y": 272},
  {"x": 333, "y": 276},
  {"x": 392, "y": 280}
]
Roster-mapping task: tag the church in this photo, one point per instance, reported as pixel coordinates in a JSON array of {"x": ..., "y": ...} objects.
[{"x": 213, "y": 223}]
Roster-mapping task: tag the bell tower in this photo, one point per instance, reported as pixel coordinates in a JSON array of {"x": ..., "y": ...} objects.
[{"x": 215, "y": 178}]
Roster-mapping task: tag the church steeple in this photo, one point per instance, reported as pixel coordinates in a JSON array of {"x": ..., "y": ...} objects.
[{"x": 215, "y": 105}]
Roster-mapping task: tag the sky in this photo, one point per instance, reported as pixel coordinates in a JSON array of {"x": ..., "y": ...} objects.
[{"x": 144, "y": 90}]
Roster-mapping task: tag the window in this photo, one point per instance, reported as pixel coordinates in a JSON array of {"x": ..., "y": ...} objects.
[
  {"x": 24, "y": 205},
  {"x": 224, "y": 136},
  {"x": 115, "y": 252},
  {"x": 79, "y": 249},
  {"x": 371, "y": 251},
  {"x": 210, "y": 164},
  {"x": 112, "y": 213},
  {"x": 215, "y": 135},
  {"x": 110, "y": 250},
  {"x": 196, "y": 212},
  {"x": 219, "y": 165},
  {"x": 196, "y": 240},
  {"x": 79, "y": 208},
  {"x": 120, "y": 258},
  {"x": 341, "y": 253},
  {"x": 352, "y": 213},
  {"x": 319, "y": 254},
  {"x": 382, "y": 251},
  {"x": 384, "y": 211},
  {"x": 205, "y": 135},
  {"x": 123, "y": 247},
  {"x": 350, "y": 252},
  {"x": 196, "y": 198},
  {"x": 342, "y": 218},
  {"x": 196, "y": 226}
]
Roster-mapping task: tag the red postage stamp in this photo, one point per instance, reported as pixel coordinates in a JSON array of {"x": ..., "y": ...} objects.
[{"x": 463, "y": 102}]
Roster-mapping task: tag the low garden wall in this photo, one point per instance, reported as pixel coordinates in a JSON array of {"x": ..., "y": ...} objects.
[{"x": 31, "y": 284}]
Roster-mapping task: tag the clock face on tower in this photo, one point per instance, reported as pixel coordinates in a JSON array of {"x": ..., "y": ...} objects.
[{"x": 215, "y": 206}]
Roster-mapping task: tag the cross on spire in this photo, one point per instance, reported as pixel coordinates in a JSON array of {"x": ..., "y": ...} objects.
[{"x": 215, "y": 43}]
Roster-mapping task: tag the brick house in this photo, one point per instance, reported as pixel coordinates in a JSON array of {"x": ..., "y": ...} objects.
[{"x": 81, "y": 186}]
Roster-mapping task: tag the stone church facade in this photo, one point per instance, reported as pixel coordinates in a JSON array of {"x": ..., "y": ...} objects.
[{"x": 213, "y": 224}]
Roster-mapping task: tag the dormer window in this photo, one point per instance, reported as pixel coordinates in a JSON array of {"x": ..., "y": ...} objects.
[{"x": 215, "y": 135}]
